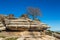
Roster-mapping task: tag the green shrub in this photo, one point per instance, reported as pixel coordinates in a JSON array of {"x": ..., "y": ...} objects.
[
  {"x": 49, "y": 32},
  {"x": 11, "y": 39},
  {"x": 2, "y": 36}
]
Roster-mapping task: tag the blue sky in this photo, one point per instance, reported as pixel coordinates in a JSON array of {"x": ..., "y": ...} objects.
[{"x": 50, "y": 10}]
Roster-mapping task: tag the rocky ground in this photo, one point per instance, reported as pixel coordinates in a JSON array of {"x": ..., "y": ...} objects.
[{"x": 25, "y": 35}]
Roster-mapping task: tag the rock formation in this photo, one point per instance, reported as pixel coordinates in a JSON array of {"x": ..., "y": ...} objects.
[{"x": 28, "y": 29}]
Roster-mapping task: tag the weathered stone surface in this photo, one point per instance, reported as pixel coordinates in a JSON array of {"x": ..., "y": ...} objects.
[
  {"x": 20, "y": 39},
  {"x": 26, "y": 26},
  {"x": 1, "y": 38},
  {"x": 34, "y": 36}
]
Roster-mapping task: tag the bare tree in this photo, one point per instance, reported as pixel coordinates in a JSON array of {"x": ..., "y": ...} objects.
[{"x": 34, "y": 12}]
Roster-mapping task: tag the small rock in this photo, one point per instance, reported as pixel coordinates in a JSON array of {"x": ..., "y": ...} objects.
[
  {"x": 1, "y": 38},
  {"x": 20, "y": 39}
]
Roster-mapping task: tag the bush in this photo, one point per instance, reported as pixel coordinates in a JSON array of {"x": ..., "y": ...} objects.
[
  {"x": 11, "y": 39},
  {"x": 2, "y": 36},
  {"x": 49, "y": 32}
]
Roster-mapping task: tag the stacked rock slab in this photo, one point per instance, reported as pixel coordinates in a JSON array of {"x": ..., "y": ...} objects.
[
  {"x": 2, "y": 27},
  {"x": 2, "y": 23},
  {"x": 24, "y": 24}
]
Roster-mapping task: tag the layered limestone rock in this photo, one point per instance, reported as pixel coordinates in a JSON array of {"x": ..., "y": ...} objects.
[
  {"x": 28, "y": 29},
  {"x": 2, "y": 27},
  {"x": 23, "y": 23},
  {"x": 2, "y": 22}
]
